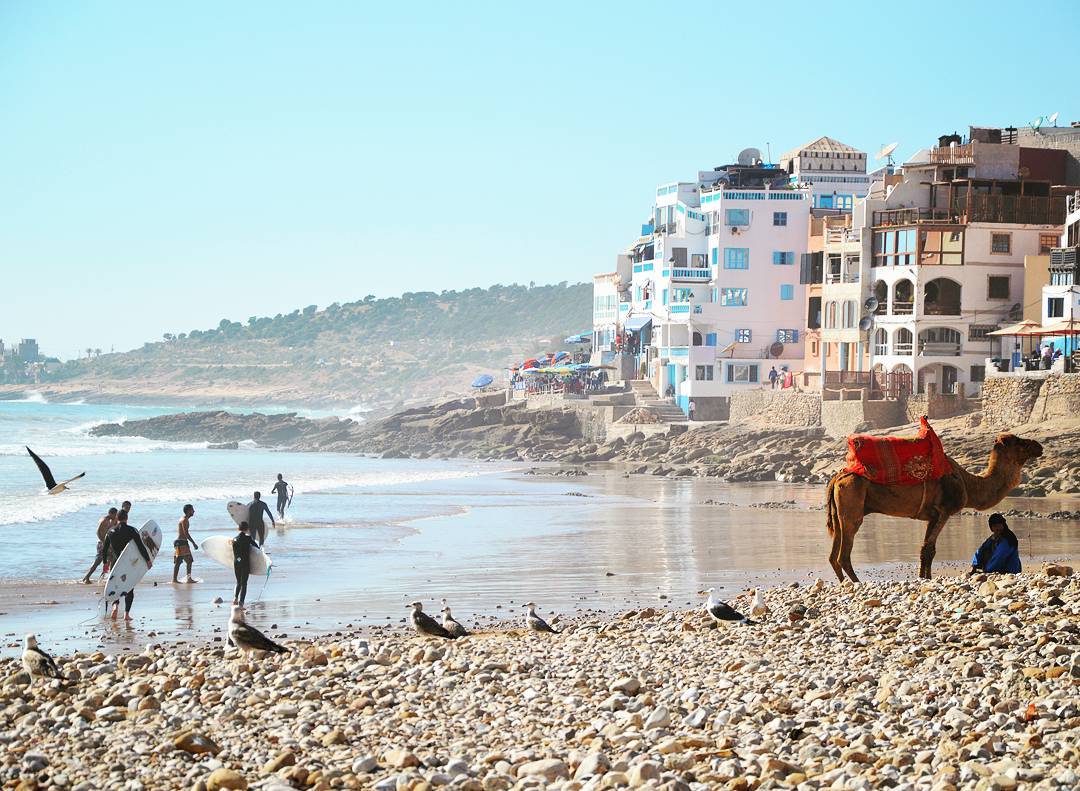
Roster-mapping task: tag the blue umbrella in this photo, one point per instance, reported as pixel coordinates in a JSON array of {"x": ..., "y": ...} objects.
[{"x": 483, "y": 380}]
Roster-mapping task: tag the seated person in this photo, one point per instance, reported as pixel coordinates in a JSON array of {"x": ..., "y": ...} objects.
[{"x": 1000, "y": 553}]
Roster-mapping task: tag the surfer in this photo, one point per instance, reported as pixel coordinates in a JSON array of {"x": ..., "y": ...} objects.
[
  {"x": 256, "y": 509},
  {"x": 107, "y": 523},
  {"x": 282, "y": 490},
  {"x": 181, "y": 550},
  {"x": 242, "y": 546},
  {"x": 119, "y": 537}
]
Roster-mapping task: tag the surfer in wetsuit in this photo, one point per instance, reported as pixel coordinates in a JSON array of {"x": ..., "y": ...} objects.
[
  {"x": 256, "y": 509},
  {"x": 282, "y": 490},
  {"x": 181, "y": 548},
  {"x": 119, "y": 537},
  {"x": 242, "y": 546},
  {"x": 107, "y": 523}
]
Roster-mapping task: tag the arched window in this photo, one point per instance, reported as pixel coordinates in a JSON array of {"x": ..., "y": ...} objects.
[
  {"x": 902, "y": 341},
  {"x": 830, "y": 316},
  {"x": 851, "y": 309},
  {"x": 697, "y": 339},
  {"x": 881, "y": 341},
  {"x": 903, "y": 298}
]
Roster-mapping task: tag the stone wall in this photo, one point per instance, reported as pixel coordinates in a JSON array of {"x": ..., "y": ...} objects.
[
  {"x": 779, "y": 408},
  {"x": 936, "y": 406},
  {"x": 1008, "y": 400},
  {"x": 1058, "y": 397},
  {"x": 841, "y": 418}
]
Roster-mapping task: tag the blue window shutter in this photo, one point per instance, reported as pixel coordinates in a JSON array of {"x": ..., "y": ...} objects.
[
  {"x": 710, "y": 339},
  {"x": 794, "y": 336},
  {"x": 715, "y": 253},
  {"x": 665, "y": 296}
]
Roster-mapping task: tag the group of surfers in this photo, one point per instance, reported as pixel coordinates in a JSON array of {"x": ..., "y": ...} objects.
[{"x": 114, "y": 534}]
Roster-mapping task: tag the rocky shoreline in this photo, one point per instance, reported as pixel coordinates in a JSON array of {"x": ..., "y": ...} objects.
[
  {"x": 955, "y": 683},
  {"x": 466, "y": 428}
]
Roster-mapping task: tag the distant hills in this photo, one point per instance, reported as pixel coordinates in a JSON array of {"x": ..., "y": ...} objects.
[{"x": 379, "y": 352}]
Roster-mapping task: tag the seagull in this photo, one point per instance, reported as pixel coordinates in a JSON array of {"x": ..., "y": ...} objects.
[
  {"x": 50, "y": 482},
  {"x": 454, "y": 628},
  {"x": 424, "y": 624},
  {"x": 534, "y": 621},
  {"x": 249, "y": 639},
  {"x": 37, "y": 662},
  {"x": 758, "y": 608},
  {"x": 722, "y": 613}
]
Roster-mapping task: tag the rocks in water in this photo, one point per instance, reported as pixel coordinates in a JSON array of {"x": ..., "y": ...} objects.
[{"x": 223, "y": 446}]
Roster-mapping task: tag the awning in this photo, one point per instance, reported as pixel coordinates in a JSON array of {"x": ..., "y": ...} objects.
[
  {"x": 637, "y": 323},
  {"x": 1064, "y": 327},
  {"x": 1026, "y": 327}
]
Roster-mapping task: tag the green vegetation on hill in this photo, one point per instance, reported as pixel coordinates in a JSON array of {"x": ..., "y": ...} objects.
[{"x": 381, "y": 351}]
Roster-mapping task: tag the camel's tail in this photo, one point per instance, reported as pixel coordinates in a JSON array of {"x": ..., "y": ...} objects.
[{"x": 832, "y": 518}]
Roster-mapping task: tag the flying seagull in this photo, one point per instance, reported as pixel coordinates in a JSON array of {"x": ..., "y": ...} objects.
[
  {"x": 37, "y": 662},
  {"x": 247, "y": 638},
  {"x": 46, "y": 473},
  {"x": 758, "y": 608},
  {"x": 424, "y": 624},
  {"x": 453, "y": 628},
  {"x": 534, "y": 621},
  {"x": 722, "y": 613}
]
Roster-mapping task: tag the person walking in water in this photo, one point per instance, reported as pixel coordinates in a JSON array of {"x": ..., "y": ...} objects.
[
  {"x": 282, "y": 490},
  {"x": 256, "y": 509},
  {"x": 107, "y": 523},
  {"x": 242, "y": 545},
  {"x": 182, "y": 544},
  {"x": 119, "y": 537}
]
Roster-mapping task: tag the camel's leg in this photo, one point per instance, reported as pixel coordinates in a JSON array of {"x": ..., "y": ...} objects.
[
  {"x": 929, "y": 545},
  {"x": 834, "y": 554},
  {"x": 851, "y": 526}
]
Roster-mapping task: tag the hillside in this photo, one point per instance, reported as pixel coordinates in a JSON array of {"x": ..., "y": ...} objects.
[{"x": 380, "y": 352}]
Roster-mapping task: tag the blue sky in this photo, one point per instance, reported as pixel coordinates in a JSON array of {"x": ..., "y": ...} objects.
[{"x": 163, "y": 166}]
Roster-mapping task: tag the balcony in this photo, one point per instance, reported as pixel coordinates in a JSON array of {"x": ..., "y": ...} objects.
[
  {"x": 832, "y": 278},
  {"x": 903, "y": 308},
  {"x": 941, "y": 308},
  {"x": 939, "y": 349},
  {"x": 895, "y": 217},
  {"x": 841, "y": 235},
  {"x": 953, "y": 155},
  {"x": 902, "y": 349},
  {"x": 696, "y": 275},
  {"x": 678, "y": 309}
]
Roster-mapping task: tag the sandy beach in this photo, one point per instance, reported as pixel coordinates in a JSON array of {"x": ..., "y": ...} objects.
[{"x": 954, "y": 683}]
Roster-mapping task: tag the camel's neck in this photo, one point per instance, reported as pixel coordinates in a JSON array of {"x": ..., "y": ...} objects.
[{"x": 989, "y": 487}]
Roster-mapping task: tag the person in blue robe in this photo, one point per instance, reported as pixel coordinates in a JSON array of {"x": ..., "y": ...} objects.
[{"x": 1000, "y": 553}]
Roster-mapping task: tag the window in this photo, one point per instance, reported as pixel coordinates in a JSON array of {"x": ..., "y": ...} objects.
[
  {"x": 787, "y": 336},
  {"x": 942, "y": 247},
  {"x": 697, "y": 260},
  {"x": 978, "y": 373},
  {"x": 782, "y": 258},
  {"x": 737, "y": 217},
  {"x": 678, "y": 256},
  {"x": 787, "y": 291},
  {"x": 980, "y": 332},
  {"x": 1047, "y": 242},
  {"x": 733, "y": 297},
  {"x": 894, "y": 248},
  {"x": 779, "y": 218},
  {"x": 710, "y": 339},
  {"x": 1001, "y": 243},
  {"x": 850, "y": 309},
  {"x": 703, "y": 373},
  {"x": 830, "y": 316},
  {"x": 715, "y": 255},
  {"x": 998, "y": 287},
  {"x": 679, "y": 295},
  {"x": 742, "y": 373},
  {"x": 664, "y": 296},
  {"x": 743, "y": 336},
  {"x": 1055, "y": 307},
  {"x": 736, "y": 258}
]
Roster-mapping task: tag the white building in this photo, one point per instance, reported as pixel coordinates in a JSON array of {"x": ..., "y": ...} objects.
[
  {"x": 714, "y": 299},
  {"x": 834, "y": 171},
  {"x": 1061, "y": 298}
]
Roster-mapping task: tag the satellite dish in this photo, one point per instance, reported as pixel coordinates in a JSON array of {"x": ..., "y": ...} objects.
[
  {"x": 866, "y": 322},
  {"x": 1052, "y": 119},
  {"x": 870, "y": 305},
  {"x": 1037, "y": 123},
  {"x": 776, "y": 349},
  {"x": 749, "y": 156},
  {"x": 886, "y": 152}
]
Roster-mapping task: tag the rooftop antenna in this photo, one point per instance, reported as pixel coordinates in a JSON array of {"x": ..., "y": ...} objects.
[
  {"x": 768, "y": 149},
  {"x": 886, "y": 153}
]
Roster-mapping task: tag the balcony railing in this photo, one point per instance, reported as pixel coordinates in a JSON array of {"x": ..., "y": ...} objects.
[
  {"x": 953, "y": 155},
  {"x": 939, "y": 348},
  {"x": 679, "y": 309},
  {"x": 1064, "y": 257},
  {"x": 902, "y": 348},
  {"x": 903, "y": 308},
  {"x": 941, "y": 308},
  {"x": 893, "y": 217},
  {"x": 697, "y": 275},
  {"x": 831, "y": 278},
  {"x": 839, "y": 235}
]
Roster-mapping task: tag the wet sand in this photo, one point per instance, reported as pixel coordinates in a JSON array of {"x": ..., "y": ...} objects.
[{"x": 574, "y": 545}]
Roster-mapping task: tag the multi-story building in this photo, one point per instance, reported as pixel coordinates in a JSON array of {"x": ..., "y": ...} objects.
[
  {"x": 27, "y": 350},
  {"x": 1061, "y": 297},
  {"x": 944, "y": 253},
  {"x": 834, "y": 171},
  {"x": 714, "y": 297}
]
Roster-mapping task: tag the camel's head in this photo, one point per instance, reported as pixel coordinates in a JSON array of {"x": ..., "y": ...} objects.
[{"x": 1009, "y": 447}]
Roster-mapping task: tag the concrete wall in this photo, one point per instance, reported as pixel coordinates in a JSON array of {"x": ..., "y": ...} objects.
[{"x": 776, "y": 407}]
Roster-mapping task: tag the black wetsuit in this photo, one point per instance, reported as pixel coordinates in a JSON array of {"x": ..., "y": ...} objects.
[
  {"x": 241, "y": 547},
  {"x": 118, "y": 538},
  {"x": 282, "y": 490},
  {"x": 256, "y": 509}
]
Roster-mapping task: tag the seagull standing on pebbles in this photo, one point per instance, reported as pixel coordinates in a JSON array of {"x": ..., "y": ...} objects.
[
  {"x": 452, "y": 627},
  {"x": 36, "y": 662},
  {"x": 758, "y": 608},
  {"x": 249, "y": 639},
  {"x": 534, "y": 621},
  {"x": 724, "y": 614},
  {"x": 424, "y": 624}
]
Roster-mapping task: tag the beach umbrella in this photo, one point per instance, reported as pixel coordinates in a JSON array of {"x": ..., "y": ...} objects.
[
  {"x": 482, "y": 381},
  {"x": 532, "y": 362},
  {"x": 562, "y": 356}
]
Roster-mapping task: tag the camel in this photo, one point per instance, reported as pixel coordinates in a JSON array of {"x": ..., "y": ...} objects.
[{"x": 850, "y": 497}]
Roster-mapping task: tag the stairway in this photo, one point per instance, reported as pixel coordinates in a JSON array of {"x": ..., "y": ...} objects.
[{"x": 646, "y": 396}]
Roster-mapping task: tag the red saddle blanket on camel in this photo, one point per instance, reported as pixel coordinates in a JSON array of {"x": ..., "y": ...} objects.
[{"x": 903, "y": 461}]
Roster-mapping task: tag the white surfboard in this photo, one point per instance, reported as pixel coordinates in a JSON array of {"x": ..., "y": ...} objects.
[
  {"x": 238, "y": 511},
  {"x": 130, "y": 567},
  {"x": 219, "y": 549}
]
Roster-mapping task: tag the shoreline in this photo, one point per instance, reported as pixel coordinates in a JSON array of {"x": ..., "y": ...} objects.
[{"x": 838, "y": 686}]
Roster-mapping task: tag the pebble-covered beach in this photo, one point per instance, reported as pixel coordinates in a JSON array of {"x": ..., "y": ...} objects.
[{"x": 954, "y": 683}]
